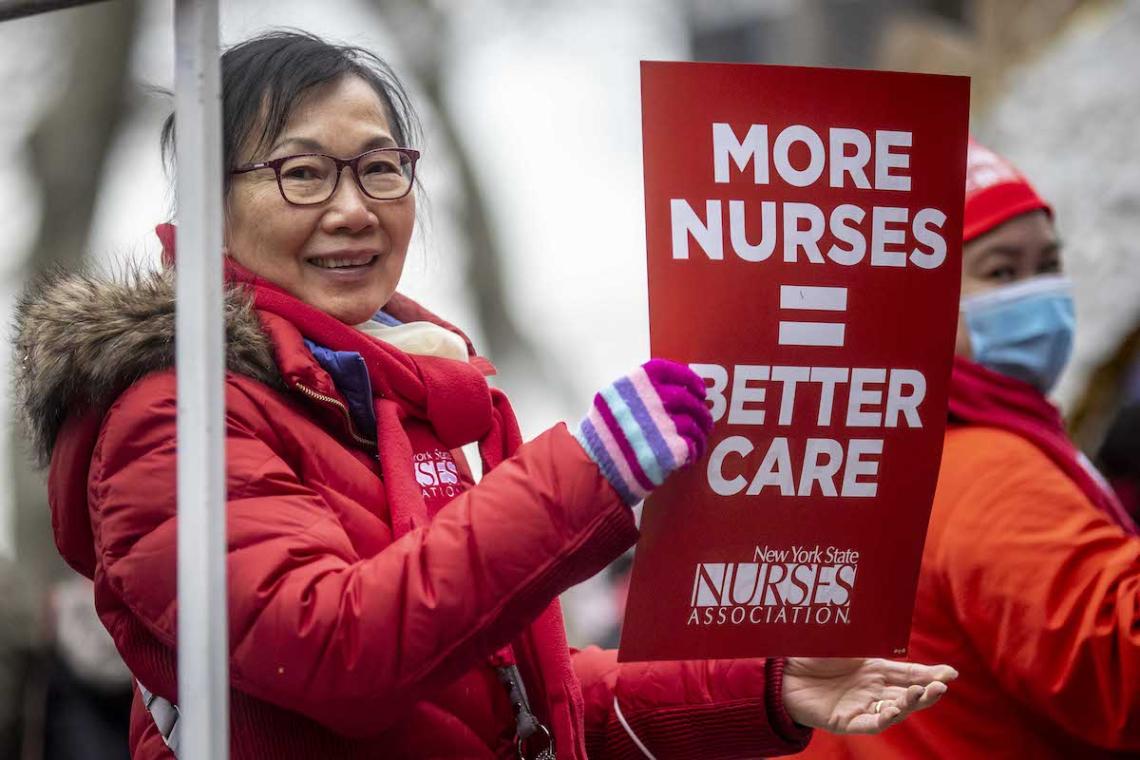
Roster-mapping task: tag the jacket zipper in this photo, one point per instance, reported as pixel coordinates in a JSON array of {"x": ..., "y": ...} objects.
[{"x": 344, "y": 410}]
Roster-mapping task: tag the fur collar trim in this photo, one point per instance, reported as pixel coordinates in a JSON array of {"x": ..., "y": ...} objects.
[{"x": 82, "y": 339}]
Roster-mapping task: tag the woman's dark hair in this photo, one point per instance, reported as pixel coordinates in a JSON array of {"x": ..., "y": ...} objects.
[{"x": 264, "y": 77}]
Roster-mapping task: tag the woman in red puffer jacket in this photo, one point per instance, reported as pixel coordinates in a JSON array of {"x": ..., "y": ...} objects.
[{"x": 381, "y": 604}]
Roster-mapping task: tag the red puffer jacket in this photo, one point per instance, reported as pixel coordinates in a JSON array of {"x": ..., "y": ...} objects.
[{"x": 348, "y": 639}]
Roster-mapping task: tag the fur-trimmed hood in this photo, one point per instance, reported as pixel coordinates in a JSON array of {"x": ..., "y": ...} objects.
[{"x": 82, "y": 339}]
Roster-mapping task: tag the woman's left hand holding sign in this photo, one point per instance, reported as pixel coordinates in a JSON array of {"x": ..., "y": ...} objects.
[{"x": 860, "y": 696}]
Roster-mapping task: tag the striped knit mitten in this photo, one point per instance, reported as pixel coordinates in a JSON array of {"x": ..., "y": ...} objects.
[{"x": 645, "y": 425}]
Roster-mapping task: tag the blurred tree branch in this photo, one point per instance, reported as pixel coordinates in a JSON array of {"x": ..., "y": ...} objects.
[
  {"x": 998, "y": 36},
  {"x": 67, "y": 149},
  {"x": 69, "y": 144},
  {"x": 982, "y": 39},
  {"x": 423, "y": 35}
]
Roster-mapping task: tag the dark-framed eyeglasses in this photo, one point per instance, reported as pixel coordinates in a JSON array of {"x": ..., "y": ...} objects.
[{"x": 306, "y": 179}]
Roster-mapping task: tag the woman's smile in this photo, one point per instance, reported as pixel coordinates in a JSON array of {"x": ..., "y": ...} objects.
[{"x": 344, "y": 264}]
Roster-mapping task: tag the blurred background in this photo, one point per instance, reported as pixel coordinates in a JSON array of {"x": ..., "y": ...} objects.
[{"x": 537, "y": 253}]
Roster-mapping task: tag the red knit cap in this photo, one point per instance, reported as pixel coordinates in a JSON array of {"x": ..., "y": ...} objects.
[{"x": 995, "y": 192}]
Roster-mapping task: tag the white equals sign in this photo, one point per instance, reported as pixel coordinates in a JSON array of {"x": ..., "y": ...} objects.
[{"x": 812, "y": 298}]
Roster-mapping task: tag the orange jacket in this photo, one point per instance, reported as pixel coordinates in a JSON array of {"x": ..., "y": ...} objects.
[{"x": 1034, "y": 595}]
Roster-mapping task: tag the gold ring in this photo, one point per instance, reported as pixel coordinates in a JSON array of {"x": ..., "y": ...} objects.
[{"x": 878, "y": 706}]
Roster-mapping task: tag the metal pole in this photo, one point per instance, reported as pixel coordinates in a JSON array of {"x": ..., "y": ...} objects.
[{"x": 203, "y": 656}]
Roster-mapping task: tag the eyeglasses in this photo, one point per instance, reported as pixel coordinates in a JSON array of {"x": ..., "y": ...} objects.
[{"x": 384, "y": 174}]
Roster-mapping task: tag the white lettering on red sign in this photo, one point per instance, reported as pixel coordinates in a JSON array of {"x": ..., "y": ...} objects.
[
  {"x": 868, "y": 397},
  {"x": 882, "y": 235}
]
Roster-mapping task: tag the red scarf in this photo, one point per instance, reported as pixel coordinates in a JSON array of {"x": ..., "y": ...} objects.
[
  {"x": 452, "y": 396},
  {"x": 979, "y": 396}
]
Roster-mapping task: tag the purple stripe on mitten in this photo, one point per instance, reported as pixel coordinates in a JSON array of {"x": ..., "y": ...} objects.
[{"x": 646, "y": 425}]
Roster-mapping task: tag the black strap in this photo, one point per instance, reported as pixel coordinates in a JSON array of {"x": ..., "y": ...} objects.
[{"x": 527, "y": 725}]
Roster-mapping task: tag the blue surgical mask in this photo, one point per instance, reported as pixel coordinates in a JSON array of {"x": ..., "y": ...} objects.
[{"x": 1024, "y": 330}]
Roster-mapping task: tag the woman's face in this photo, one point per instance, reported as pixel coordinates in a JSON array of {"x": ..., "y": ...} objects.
[
  {"x": 304, "y": 249},
  {"x": 1023, "y": 247}
]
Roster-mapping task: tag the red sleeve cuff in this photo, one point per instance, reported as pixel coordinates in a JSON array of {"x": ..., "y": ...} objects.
[{"x": 778, "y": 718}]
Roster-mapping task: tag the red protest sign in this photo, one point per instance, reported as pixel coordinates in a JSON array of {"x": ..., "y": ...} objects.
[{"x": 804, "y": 242}]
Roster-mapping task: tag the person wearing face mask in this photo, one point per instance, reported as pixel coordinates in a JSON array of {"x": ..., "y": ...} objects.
[{"x": 1030, "y": 580}]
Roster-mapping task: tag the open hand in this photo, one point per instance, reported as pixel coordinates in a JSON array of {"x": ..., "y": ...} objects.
[{"x": 860, "y": 696}]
